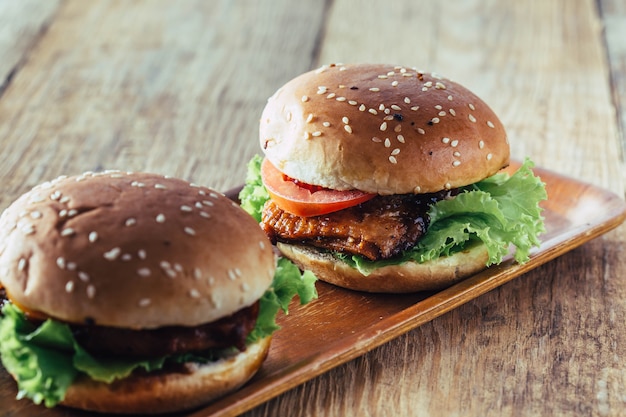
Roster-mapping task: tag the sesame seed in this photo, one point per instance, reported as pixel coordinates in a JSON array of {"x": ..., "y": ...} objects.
[
  {"x": 190, "y": 231},
  {"x": 93, "y": 236},
  {"x": 321, "y": 89},
  {"x": 377, "y": 140},
  {"x": 347, "y": 128},
  {"x": 450, "y": 98},
  {"x": 231, "y": 275},
  {"x": 388, "y": 118},
  {"x": 340, "y": 99},
  {"x": 440, "y": 86},
  {"x": 352, "y": 102},
  {"x": 490, "y": 124},
  {"x": 197, "y": 273},
  {"x": 395, "y": 151},
  {"x": 393, "y": 160},
  {"x": 193, "y": 293},
  {"x": 305, "y": 99},
  {"x": 442, "y": 113},
  {"x": 178, "y": 267},
  {"x": 83, "y": 276},
  {"x": 316, "y": 133},
  {"x": 55, "y": 195},
  {"x": 472, "y": 118},
  {"x": 394, "y": 84},
  {"x": 489, "y": 156},
  {"x": 127, "y": 257},
  {"x": 160, "y": 186},
  {"x": 400, "y": 138},
  {"x": 262, "y": 244},
  {"x": 331, "y": 95},
  {"x": 144, "y": 302},
  {"x": 204, "y": 214},
  {"x": 445, "y": 140},
  {"x": 395, "y": 107},
  {"x": 67, "y": 231},
  {"x": 144, "y": 272},
  {"x": 383, "y": 77},
  {"x": 71, "y": 266},
  {"x": 198, "y": 205},
  {"x": 456, "y": 153},
  {"x": 29, "y": 229},
  {"x": 69, "y": 286},
  {"x": 326, "y": 124},
  {"x": 160, "y": 218},
  {"x": 387, "y": 143},
  {"x": 130, "y": 222},
  {"x": 345, "y": 120},
  {"x": 471, "y": 106},
  {"x": 435, "y": 120},
  {"x": 61, "y": 262},
  {"x": 421, "y": 131},
  {"x": 309, "y": 118},
  {"x": 373, "y": 111},
  {"x": 454, "y": 143},
  {"x": 452, "y": 112},
  {"x": 407, "y": 100},
  {"x": 415, "y": 108},
  {"x": 481, "y": 144},
  {"x": 456, "y": 163},
  {"x": 428, "y": 84},
  {"x": 447, "y": 186},
  {"x": 245, "y": 287},
  {"x": 186, "y": 208},
  {"x": 307, "y": 135},
  {"x": 374, "y": 89},
  {"x": 21, "y": 264},
  {"x": 72, "y": 213},
  {"x": 208, "y": 203},
  {"x": 362, "y": 107},
  {"x": 36, "y": 215},
  {"x": 397, "y": 129},
  {"x": 112, "y": 254},
  {"x": 383, "y": 126},
  {"x": 91, "y": 291}
]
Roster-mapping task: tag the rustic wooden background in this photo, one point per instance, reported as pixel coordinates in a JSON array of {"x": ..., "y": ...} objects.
[{"x": 178, "y": 87}]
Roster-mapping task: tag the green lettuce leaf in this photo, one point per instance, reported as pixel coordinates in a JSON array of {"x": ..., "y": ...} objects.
[
  {"x": 287, "y": 283},
  {"x": 254, "y": 194},
  {"x": 46, "y": 359},
  {"x": 501, "y": 211}
]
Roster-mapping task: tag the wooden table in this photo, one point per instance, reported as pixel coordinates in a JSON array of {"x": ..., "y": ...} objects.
[{"x": 178, "y": 88}]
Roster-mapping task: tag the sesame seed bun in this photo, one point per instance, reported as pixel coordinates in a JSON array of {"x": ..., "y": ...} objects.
[
  {"x": 131, "y": 250},
  {"x": 163, "y": 392},
  {"x": 381, "y": 129},
  {"x": 405, "y": 277}
]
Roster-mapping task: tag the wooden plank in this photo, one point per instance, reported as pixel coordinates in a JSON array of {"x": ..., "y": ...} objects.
[
  {"x": 21, "y": 25},
  {"x": 147, "y": 85},
  {"x": 614, "y": 22}
]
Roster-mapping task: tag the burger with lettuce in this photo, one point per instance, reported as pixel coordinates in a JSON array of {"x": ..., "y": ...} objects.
[
  {"x": 384, "y": 178},
  {"x": 136, "y": 293}
]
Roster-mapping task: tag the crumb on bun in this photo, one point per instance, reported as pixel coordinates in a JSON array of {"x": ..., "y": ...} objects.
[
  {"x": 381, "y": 129},
  {"x": 131, "y": 250}
]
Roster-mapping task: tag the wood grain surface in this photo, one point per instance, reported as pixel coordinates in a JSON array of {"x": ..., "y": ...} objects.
[{"x": 178, "y": 87}]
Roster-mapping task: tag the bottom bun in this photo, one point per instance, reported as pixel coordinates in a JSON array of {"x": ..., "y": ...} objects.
[
  {"x": 402, "y": 278},
  {"x": 164, "y": 392}
]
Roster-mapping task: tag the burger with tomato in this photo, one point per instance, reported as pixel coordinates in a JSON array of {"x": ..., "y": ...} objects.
[
  {"x": 384, "y": 178},
  {"x": 136, "y": 293}
]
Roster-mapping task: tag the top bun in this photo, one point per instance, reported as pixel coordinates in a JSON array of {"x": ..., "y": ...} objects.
[
  {"x": 381, "y": 129},
  {"x": 131, "y": 250}
]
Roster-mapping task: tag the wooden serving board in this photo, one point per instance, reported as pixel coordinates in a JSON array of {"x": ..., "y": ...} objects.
[{"x": 341, "y": 324}]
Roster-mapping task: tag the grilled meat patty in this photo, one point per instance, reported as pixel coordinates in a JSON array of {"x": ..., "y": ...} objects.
[
  {"x": 380, "y": 228},
  {"x": 226, "y": 332}
]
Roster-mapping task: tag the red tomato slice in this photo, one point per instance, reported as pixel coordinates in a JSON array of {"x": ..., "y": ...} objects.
[{"x": 307, "y": 200}]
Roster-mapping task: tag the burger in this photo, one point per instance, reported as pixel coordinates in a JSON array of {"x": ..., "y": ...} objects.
[
  {"x": 136, "y": 293},
  {"x": 384, "y": 178}
]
